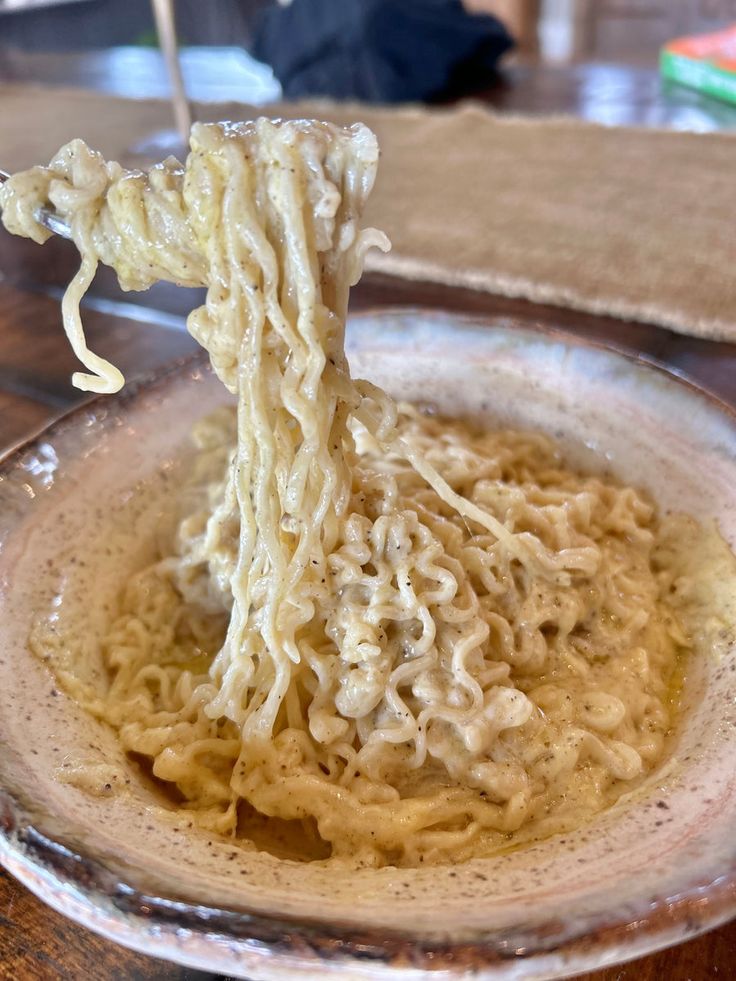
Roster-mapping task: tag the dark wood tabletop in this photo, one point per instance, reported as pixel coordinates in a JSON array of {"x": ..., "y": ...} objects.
[
  {"x": 35, "y": 369},
  {"x": 603, "y": 92}
]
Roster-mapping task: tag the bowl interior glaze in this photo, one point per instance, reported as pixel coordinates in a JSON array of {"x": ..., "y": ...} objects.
[{"x": 657, "y": 866}]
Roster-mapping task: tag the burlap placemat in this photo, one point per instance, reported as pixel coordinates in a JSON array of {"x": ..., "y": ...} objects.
[{"x": 630, "y": 222}]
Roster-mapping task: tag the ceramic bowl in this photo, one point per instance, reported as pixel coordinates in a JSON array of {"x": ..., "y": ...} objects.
[{"x": 657, "y": 868}]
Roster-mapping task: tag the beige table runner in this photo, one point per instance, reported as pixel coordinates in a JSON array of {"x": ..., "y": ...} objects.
[{"x": 635, "y": 223}]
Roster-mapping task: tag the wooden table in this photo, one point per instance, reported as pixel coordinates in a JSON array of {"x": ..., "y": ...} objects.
[
  {"x": 35, "y": 367},
  {"x": 614, "y": 94}
]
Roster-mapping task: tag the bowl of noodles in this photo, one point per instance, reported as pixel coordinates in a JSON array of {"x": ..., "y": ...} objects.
[{"x": 367, "y": 652}]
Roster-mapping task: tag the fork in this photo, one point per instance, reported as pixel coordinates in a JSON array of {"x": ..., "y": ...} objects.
[{"x": 46, "y": 216}]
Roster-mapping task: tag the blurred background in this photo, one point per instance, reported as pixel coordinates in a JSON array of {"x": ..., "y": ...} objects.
[
  {"x": 110, "y": 45},
  {"x": 553, "y": 30}
]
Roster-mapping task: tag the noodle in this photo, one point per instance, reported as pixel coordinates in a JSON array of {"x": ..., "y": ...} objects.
[{"x": 421, "y": 639}]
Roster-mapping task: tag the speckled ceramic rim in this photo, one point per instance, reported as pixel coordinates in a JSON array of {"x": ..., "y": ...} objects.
[{"x": 100, "y": 898}]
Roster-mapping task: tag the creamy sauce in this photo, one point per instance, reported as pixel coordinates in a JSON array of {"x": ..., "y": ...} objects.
[{"x": 388, "y": 637}]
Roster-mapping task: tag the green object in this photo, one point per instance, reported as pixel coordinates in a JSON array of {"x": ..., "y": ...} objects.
[
  {"x": 148, "y": 39},
  {"x": 698, "y": 74}
]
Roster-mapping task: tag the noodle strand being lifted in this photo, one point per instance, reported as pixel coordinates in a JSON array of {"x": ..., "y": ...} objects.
[{"x": 412, "y": 636}]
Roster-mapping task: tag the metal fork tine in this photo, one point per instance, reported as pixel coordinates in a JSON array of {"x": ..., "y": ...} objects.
[{"x": 46, "y": 216}]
